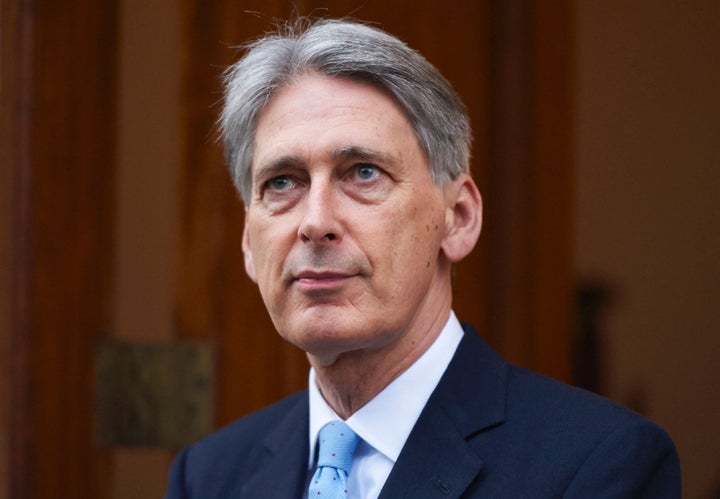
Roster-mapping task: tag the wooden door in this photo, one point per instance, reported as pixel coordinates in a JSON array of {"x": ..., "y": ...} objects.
[{"x": 510, "y": 62}]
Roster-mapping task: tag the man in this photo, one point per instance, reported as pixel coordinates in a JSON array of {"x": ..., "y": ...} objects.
[{"x": 351, "y": 153}]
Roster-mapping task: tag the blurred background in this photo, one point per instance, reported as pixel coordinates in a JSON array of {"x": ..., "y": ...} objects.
[{"x": 128, "y": 327}]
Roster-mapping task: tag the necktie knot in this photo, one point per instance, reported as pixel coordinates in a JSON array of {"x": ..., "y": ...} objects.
[{"x": 337, "y": 443}]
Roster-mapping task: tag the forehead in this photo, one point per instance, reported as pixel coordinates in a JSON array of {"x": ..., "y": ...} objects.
[{"x": 329, "y": 114}]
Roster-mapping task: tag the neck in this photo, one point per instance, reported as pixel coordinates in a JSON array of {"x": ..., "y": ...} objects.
[{"x": 357, "y": 377}]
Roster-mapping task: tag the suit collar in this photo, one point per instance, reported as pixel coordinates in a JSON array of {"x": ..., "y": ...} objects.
[
  {"x": 473, "y": 390},
  {"x": 438, "y": 460}
]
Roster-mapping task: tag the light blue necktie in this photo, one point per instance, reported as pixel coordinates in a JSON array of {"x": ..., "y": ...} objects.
[{"x": 336, "y": 443}]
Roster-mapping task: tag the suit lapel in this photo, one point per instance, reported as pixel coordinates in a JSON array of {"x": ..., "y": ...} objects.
[
  {"x": 438, "y": 459},
  {"x": 282, "y": 468},
  {"x": 435, "y": 462}
]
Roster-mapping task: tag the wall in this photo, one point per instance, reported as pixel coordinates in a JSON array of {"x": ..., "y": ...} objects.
[{"x": 647, "y": 211}]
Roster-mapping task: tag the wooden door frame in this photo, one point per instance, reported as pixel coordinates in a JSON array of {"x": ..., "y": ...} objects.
[
  {"x": 15, "y": 148},
  {"x": 529, "y": 193},
  {"x": 57, "y": 136}
]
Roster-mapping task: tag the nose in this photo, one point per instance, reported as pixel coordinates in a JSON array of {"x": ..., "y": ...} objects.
[{"x": 319, "y": 222}]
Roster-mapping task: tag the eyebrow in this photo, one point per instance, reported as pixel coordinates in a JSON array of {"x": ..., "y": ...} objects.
[
  {"x": 278, "y": 165},
  {"x": 363, "y": 153}
]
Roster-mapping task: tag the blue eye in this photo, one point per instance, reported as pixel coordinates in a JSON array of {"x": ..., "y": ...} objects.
[
  {"x": 280, "y": 183},
  {"x": 366, "y": 172}
]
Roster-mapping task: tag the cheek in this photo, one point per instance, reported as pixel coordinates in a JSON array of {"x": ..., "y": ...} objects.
[
  {"x": 426, "y": 224},
  {"x": 410, "y": 242},
  {"x": 269, "y": 252}
]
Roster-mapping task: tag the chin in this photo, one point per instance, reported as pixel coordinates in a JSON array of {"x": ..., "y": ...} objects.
[{"x": 328, "y": 340}]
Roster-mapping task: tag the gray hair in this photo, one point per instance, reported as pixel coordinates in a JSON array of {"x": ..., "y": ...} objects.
[{"x": 343, "y": 49}]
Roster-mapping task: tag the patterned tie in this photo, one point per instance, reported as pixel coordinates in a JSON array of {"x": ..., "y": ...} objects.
[{"x": 337, "y": 443}]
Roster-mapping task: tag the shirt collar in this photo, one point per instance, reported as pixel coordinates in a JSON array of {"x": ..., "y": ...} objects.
[{"x": 386, "y": 420}]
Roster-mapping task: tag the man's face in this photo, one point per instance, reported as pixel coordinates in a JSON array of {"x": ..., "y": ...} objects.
[{"x": 344, "y": 229}]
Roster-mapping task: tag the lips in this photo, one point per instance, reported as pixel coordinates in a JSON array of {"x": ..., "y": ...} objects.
[
  {"x": 321, "y": 280},
  {"x": 321, "y": 275},
  {"x": 317, "y": 269}
]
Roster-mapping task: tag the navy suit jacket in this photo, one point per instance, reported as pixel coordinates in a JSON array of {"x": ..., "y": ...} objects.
[{"x": 489, "y": 430}]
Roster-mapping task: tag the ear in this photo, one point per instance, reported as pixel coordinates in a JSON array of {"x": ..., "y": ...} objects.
[
  {"x": 463, "y": 218},
  {"x": 247, "y": 252}
]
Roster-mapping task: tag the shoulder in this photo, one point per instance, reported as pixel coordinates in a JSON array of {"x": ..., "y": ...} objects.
[
  {"x": 530, "y": 392},
  {"x": 531, "y": 399},
  {"x": 562, "y": 438},
  {"x": 604, "y": 449},
  {"x": 247, "y": 431},
  {"x": 233, "y": 450},
  {"x": 542, "y": 403}
]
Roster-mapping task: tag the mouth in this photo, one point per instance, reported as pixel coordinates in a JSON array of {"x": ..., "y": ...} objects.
[{"x": 321, "y": 280}]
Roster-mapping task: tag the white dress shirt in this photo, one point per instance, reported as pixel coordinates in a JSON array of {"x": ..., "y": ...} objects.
[{"x": 385, "y": 422}]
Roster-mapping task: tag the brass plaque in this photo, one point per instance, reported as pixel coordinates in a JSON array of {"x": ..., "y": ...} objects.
[{"x": 158, "y": 395}]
